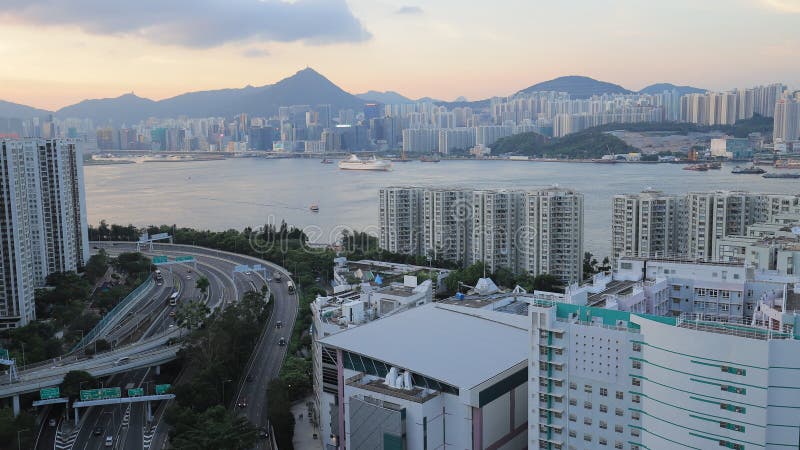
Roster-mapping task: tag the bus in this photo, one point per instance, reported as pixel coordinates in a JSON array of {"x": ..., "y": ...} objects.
[
  {"x": 290, "y": 286},
  {"x": 157, "y": 276},
  {"x": 173, "y": 299}
]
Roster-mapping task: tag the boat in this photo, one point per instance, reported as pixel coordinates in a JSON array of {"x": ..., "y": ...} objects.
[
  {"x": 314, "y": 207},
  {"x": 326, "y": 161},
  {"x": 402, "y": 158},
  {"x": 432, "y": 158},
  {"x": 752, "y": 170},
  {"x": 781, "y": 175},
  {"x": 714, "y": 166},
  {"x": 697, "y": 167},
  {"x": 787, "y": 164},
  {"x": 356, "y": 163}
]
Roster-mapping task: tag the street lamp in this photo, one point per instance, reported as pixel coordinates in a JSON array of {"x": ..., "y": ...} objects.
[
  {"x": 223, "y": 390},
  {"x": 19, "y": 444}
]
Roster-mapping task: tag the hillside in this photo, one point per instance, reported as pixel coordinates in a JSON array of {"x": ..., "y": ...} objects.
[
  {"x": 578, "y": 87},
  {"x": 387, "y": 98},
  {"x": 587, "y": 144},
  {"x": 306, "y": 87},
  {"x": 661, "y": 87},
  {"x": 16, "y": 111}
]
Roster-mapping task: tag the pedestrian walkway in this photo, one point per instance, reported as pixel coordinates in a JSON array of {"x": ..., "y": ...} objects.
[{"x": 304, "y": 430}]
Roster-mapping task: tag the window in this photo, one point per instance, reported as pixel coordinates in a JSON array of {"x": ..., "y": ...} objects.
[
  {"x": 636, "y": 382},
  {"x": 636, "y": 399},
  {"x": 603, "y": 408},
  {"x": 572, "y": 433},
  {"x": 603, "y": 441},
  {"x": 620, "y": 395},
  {"x": 587, "y": 420},
  {"x": 587, "y": 405},
  {"x": 573, "y": 386},
  {"x": 618, "y": 428},
  {"x": 635, "y": 415},
  {"x": 587, "y": 437},
  {"x": 636, "y": 364},
  {"x": 573, "y": 402},
  {"x": 618, "y": 444},
  {"x": 724, "y": 307},
  {"x": 619, "y": 412},
  {"x": 734, "y": 389},
  {"x": 732, "y": 426},
  {"x": 603, "y": 425},
  {"x": 732, "y": 445},
  {"x": 726, "y": 294},
  {"x": 733, "y": 370},
  {"x": 634, "y": 432},
  {"x": 573, "y": 418},
  {"x": 587, "y": 388},
  {"x": 603, "y": 392},
  {"x": 637, "y": 347},
  {"x": 732, "y": 408}
]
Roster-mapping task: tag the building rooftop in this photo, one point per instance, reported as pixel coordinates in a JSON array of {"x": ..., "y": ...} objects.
[{"x": 455, "y": 345}]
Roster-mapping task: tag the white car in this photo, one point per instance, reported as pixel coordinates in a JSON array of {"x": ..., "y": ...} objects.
[{"x": 109, "y": 441}]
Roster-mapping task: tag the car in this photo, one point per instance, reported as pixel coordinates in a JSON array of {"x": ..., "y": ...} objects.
[
  {"x": 282, "y": 342},
  {"x": 109, "y": 441},
  {"x": 242, "y": 403},
  {"x": 172, "y": 313},
  {"x": 263, "y": 433},
  {"x": 121, "y": 361},
  {"x": 279, "y": 324},
  {"x": 51, "y": 423},
  {"x": 97, "y": 431},
  {"x": 172, "y": 325},
  {"x": 248, "y": 273},
  {"x": 188, "y": 277}
]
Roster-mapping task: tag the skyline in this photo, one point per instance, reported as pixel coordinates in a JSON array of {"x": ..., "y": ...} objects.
[{"x": 104, "y": 54}]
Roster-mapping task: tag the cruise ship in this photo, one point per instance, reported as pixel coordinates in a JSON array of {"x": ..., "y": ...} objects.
[{"x": 355, "y": 163}]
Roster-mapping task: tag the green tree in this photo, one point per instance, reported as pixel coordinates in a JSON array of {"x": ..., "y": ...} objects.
[
  {"x": 10, "y": 425},
  {"x": 296, "y": 375},
  {"x": 74, "y": 381},
  {"x": 215, "y": 429},
  {"x": 202, "y": 284},
  {"x": 191, "y": 314},
  {"x": 547, "y": 282},
  {"x": 97, "y": 266},
  {"x": 280, "y": 414}
]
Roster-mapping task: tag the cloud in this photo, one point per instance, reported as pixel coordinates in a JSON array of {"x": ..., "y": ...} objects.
[
  {"x": 409, "y": 10},
  {"x": 198, "y": 23},
  {"x": 785, "y": 6},
  {"x": 255, "y": 53}
]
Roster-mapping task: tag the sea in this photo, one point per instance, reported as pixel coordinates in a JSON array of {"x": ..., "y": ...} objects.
[{"x": 239, "y": 192}]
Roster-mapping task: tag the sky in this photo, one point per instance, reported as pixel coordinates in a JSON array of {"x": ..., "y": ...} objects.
[{"x": 58, "y": 52}]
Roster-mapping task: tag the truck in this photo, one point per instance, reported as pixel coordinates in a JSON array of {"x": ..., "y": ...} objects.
[{"x": 290, "y": 286}]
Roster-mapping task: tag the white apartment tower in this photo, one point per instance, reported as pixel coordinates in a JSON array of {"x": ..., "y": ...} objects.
[
  {"x": 648, "y": 224},
  {"x": 43, "y": 220},
  {"x": 446, "y": 224},
  {"x": 401, "y": 219}
]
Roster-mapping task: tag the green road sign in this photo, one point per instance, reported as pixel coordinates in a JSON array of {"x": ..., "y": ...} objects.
[
  {"x": 90, "y": 394},
  {"x": 184, "y": 258},
  {"x": 3, "y": 353},
  {"x": 100, "y": 394},
  {"x": 135, "y": 392},
  {"x": 162, "y": 388},
  {"x": 48, "y": 393},
  {"x": 159, "y": 259},
  {"x": 111, "y": 392}
]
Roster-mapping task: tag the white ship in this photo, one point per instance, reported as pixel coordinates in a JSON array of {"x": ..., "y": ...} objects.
[{"x": 355, "y": 163}]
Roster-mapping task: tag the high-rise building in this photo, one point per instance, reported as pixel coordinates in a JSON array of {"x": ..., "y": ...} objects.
[
  {"x": 648, "y": 224},
  {"x": 600, "y": 378},
  {"x": 43, "y": 223},
  {"x": 462, "y": 138},
  {"x": 420, "y": 140},
  {"x": 786, "y": 119},
  {"x": 532, "y": 231}
]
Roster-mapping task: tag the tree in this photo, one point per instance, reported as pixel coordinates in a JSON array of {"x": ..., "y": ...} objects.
[
  {"x": 191, "y": 314},
  {"x": 202, "y": 284},
  {"x": 74, "y": 381},
  {"x": 97, "y": 266},
  {"x": 10, "y": 425},
  {"x": 214, "y": 429},
  {"x": 547, "y": 282},
  {"x": 589, "y": 264},
  {"x": 280, "y": 414}
]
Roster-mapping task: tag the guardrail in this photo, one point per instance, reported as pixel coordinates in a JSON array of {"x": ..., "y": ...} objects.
[{"x": 123, "y": 306}]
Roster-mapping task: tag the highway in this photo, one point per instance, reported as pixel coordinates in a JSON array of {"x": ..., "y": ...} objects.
[
  {"x": 147, "y": 327},
  {"x": 268, "y": 358}
]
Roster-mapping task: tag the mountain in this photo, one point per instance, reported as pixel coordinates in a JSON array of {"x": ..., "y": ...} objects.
[
  {"x": 578, "y": 87},
  {"x": 387, "y": 98},
  {"x": 661, "y": 87},
  {"x": 306, "y": 87},
  {"x": 16, "y": 111}
]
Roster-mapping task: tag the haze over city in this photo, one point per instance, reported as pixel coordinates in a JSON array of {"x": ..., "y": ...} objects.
[{"x": 56, "y": 53}]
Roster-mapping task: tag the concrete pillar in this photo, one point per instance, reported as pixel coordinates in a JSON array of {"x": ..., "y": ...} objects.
[
  {"x": 15, "y": 405},
  {"x": 149, "y": 413},
  {"x": 77, "y": 418},
  {"x": 158, "y": 370},
  {"x": 477, "y": 428}
]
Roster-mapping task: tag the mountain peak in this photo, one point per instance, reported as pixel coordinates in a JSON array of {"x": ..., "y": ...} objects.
[{"x": 578, "y": 86}]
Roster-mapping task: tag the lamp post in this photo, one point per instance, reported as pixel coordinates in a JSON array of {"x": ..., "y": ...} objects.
[
  {"x": 223, "y": 390},
  {"x": 19, "y": 444}
]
